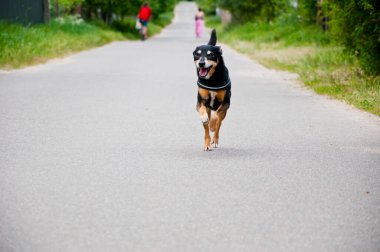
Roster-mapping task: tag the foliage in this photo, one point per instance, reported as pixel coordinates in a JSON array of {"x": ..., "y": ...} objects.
[
  {"x": 357, "y": 24},
  {"x": 124, "y": 8},
  {"x": 20, "y": 45},
  {"x": 255, "y": 10},
  {"x": 208, "y": 6},
  {"x": 289, "y": 44},
  {"x": 68, "y": 4},
  {"x": 127, "y": 25},
  {"x": 284, "y": 30},
  {"x": 307, "y": 10},
  {"x": 108, "y": 10}
]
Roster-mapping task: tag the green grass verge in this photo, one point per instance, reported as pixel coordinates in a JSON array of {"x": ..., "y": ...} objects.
[
  {"x": 321, "y": 64},
  {"x": 28, "y": 45}
]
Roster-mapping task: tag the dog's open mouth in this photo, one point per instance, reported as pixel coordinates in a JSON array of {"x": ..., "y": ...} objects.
[{"x": 203, "y": 71}]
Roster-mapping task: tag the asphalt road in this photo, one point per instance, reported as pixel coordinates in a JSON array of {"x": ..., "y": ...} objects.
[{"x": 103, "y": 151}]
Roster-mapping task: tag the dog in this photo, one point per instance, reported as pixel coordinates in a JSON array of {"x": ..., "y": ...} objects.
[{"x": 214, "y": 89}]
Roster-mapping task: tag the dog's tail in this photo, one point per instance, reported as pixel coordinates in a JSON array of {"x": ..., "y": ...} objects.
[
  {"x": 212, "y": 123},
  {"x": 212, "y": 40}
]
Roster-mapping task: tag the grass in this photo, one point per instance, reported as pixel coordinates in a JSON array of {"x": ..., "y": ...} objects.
[
  {"x": 322, "y": 64},
  {"x": 28, "y": 45}
]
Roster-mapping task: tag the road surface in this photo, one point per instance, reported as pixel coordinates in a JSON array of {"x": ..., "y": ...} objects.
[{"x": 103, "y": 151}]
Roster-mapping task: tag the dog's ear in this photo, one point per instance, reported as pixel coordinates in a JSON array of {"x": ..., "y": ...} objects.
[
  {"x": 212, "y": 40},
  {"x": 220, "y": 50}
]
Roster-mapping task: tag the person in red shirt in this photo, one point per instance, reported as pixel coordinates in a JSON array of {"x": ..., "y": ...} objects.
[{"x": 144, "y": 15}]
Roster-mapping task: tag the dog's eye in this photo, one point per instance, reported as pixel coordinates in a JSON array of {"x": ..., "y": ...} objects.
[
  {"x": 210, "y": 56},
  {"x": 197, "y": 55}
]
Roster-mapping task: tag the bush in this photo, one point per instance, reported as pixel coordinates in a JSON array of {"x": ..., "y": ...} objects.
[
  {"x": 127, "y": 27},
  {"x": 263, "y": 10},
  {"x": 164, "y": 19},
  {"x": 307, "y": 10},
  {"x": 356, "y": 24}
]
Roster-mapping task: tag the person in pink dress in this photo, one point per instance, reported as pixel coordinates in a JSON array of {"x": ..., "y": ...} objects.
[{"x": 199, "y": 23}]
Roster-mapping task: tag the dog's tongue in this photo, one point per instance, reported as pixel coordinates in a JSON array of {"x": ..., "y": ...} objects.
[{"x": 202, "y": 71}]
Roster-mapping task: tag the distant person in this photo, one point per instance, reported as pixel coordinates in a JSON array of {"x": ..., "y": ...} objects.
[
  {"x": 199, "y": 23},
  {"x": 144, "y": 16}
]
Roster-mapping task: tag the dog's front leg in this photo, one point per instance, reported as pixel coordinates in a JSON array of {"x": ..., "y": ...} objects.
[{"x": 205, "y": 114}]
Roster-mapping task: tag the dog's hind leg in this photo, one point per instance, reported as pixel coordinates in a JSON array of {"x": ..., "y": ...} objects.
[
  {"x": 219, "y": 116},
  {"x": 218, "y": 124},
  {"x": 207, "y": 146},
  {"x": 212, "y": 123}
]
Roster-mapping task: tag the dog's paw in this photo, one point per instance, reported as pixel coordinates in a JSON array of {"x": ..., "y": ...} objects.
[
  {"x": 207, "y": 148},
  {"x": 204, "y": 119},
  {"x": 215, "y": 143}
]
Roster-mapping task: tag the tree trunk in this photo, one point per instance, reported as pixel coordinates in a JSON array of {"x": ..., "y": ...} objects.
[
  {"x": 56, "y": 8},
  {"x": 46, "y": 11}
]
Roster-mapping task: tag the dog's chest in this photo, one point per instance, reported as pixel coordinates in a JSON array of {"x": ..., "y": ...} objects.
[
  {"x": 212, "y": 98},
  {"x": 215, "y": 99}
]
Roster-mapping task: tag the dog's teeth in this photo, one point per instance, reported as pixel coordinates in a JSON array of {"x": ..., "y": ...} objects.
[{"x": 203, "y": 71}]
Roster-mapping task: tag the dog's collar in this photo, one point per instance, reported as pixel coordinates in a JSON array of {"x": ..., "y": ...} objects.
[{"x": 214, "y": 88}]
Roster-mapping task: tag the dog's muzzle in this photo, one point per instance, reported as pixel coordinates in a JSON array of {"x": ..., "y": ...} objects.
[{"x": 202, "y": 70}]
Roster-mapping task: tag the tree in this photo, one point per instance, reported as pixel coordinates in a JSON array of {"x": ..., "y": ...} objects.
[
  {"x": 356, "y": 23},
  {"x": 123, "y": 8},
  {"x": 307, "y": 9},
  {"x": 46, "y": 11},
  {"x": 247, "y": 10}
]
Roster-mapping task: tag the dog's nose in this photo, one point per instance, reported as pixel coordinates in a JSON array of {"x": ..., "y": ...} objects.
[{"x": 202, "y": 63}]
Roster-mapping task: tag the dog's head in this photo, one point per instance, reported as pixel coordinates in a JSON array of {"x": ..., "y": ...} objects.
[{"x": 207, "y": 57}]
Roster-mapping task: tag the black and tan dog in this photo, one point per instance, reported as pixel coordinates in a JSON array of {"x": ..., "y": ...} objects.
[{"x": 214, "y": 89}]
